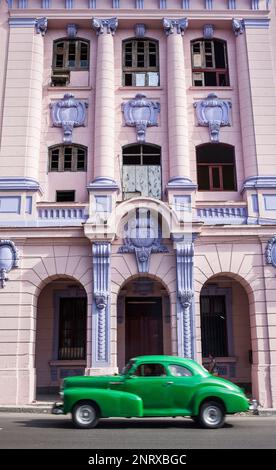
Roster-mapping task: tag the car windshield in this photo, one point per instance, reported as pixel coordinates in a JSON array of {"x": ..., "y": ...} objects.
[{"x": 127, "y": 368}]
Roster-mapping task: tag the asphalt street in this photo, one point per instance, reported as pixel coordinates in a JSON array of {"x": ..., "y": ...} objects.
[{"x": 36, "y": 431}]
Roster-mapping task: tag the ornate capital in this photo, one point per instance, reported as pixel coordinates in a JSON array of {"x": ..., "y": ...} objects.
[
  {"x": 68, "y": 113},
  {"x": 238, "y": 26},
  {"x": 175, "y": 26},
  {"x": 41, "y": 25},
  {"x": 213, "y": 113},
  {"x": 102, "y": 26},
  {"x": 141, "y": 113},
  {"x": 186, "y": 297},
  {"x": 8, "y": 259},
  {"x": 101, "y": 299},
  {"x": 270, "y": 252}
]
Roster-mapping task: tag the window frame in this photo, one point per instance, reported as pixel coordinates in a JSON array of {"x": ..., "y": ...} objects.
[
  {"x": 202, "y": 69},
  {"x": 141, "y": 164},
  {"x": 66, "y": 67},
  {"x": 220, "y": 167},
  {"x": 135, "y": 69},
  {"x": 61, "y": 158}
]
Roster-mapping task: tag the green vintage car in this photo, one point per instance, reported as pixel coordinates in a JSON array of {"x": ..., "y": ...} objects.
[{"x": 152, "y": 386}]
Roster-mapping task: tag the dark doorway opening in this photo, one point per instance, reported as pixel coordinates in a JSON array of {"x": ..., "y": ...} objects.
[{"x": 144, "y": 326}]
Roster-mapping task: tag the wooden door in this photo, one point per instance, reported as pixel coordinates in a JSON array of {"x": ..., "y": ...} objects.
[{"x": 144, "y": 326}]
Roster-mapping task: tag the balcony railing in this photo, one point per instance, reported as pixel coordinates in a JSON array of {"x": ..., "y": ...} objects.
[
  {"x": 222, "y": 214},
  {"x": 62, "y": 214}
]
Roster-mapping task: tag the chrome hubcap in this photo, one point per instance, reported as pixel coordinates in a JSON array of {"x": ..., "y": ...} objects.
[
  {"x": 212, "y": 415},
  {"x": 85, "y": 414}
]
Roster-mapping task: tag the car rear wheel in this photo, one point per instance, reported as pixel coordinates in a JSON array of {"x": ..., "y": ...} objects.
[
  {"x": 85, "y": 415},
  {"x": 211, "y": 415}
]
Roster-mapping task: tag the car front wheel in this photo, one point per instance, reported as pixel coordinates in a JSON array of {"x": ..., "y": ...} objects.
[
  {"x": 211, "y": 415},
  {"x": 85, "y": 415}
]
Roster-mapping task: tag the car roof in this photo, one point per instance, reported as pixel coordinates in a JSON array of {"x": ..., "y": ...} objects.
[{"x": 171, "y": 359}]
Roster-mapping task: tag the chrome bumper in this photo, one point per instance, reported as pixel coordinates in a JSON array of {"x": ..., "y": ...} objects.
[
  {"x": 254, "y": 406},
  {"x": 58, "y": 408}
]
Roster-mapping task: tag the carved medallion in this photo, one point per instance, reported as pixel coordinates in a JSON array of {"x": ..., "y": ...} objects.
[
  {"x": 68, "y": 113},
  {"x": 270, "y": 252},
  {"x": 8, "y": 259},
  {"x": 213, "y": 113},
  {"x": 141, "y": 113}
]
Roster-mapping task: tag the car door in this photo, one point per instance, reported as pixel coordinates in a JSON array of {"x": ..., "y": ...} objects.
[
  {"x": 152, "y": 387},
  {"x": 183, "y": 386}
]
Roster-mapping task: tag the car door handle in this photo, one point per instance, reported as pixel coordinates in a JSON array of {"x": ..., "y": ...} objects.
[
  {"x": 115, "y": 383},
  {"x": 168, "y": 383}
]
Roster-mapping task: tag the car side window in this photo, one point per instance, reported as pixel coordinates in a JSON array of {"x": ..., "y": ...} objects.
[
  {"x": 150, "y": 370},
  {"x": 179, "y": 371}
]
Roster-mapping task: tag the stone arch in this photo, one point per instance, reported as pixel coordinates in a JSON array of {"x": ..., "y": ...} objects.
[
  {"x": 169, "y": 217},
  {"x": 244, "y": 310},
  {"x": 58, "y": 352}
]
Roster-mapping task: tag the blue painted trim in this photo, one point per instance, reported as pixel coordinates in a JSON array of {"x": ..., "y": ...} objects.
[
  {"x": 231, "y": 4},
  {"x": 29, "y": 205},
  {"x": 270, "y": 202},
  {"x": 101, "y": 307},
  {"x": 257, "y": 23},
  {"x": 19, "y": 184},
  {"x": 227, "y": 292},
  {"x": 21, "y": 22},
  {"x": 92, "y": 3},
  {"x": 186, "y": 4},
  {"x": 116, "y": 4},
  {"x": 179, "y": 182},
  {"x": 255, "y": 5},
  {"x": 46, "y": 4},
  {"x": 69, "y": 4},
  {"x": 209, "y": 4},
  {"x": 162, "y": 4},
  {"x": 10, "y": 204},
  {"x": 259, "y": 182},
  {"x": 102, "y": 183},
  {"x": 22, "y": 3},
  {"x": 255, "y": 203},
  {"x": 139, "y": 4}
]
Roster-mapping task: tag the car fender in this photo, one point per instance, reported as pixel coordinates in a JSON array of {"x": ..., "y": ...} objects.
[
  {"x": 110, "y": 402},
  {"x": 233, "y": 402}
]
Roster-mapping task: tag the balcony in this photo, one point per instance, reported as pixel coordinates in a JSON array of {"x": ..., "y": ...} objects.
[
  {"x": 222, "y": 213},
  {"x": 56, "y": 214}
]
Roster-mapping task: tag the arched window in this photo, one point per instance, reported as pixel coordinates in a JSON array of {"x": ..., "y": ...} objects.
[
  {"x": 142, "y": 171},
  {"x": 71, "y": 54},
  {"x": 67, "y": 158},
  {"x": 140, "y": 62},
  {"x": 209, "y": 62},
  {"x": 216, "y": 167}
]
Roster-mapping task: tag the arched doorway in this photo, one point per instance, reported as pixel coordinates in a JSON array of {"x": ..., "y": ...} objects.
[
  {"x": 225, "y": 329},
  {"x": 61, "y": 327},
  {"x": 144, "y": 320}
]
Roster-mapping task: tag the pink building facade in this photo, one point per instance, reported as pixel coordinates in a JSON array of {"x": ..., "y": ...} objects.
[{"x": 137, "y": 189}]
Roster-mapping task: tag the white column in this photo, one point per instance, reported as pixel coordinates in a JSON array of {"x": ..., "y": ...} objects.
[
  {"x": 177, "y": 105},
  {"x": 21, "y": 132},
  {"x": 104, "y": 154}
]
